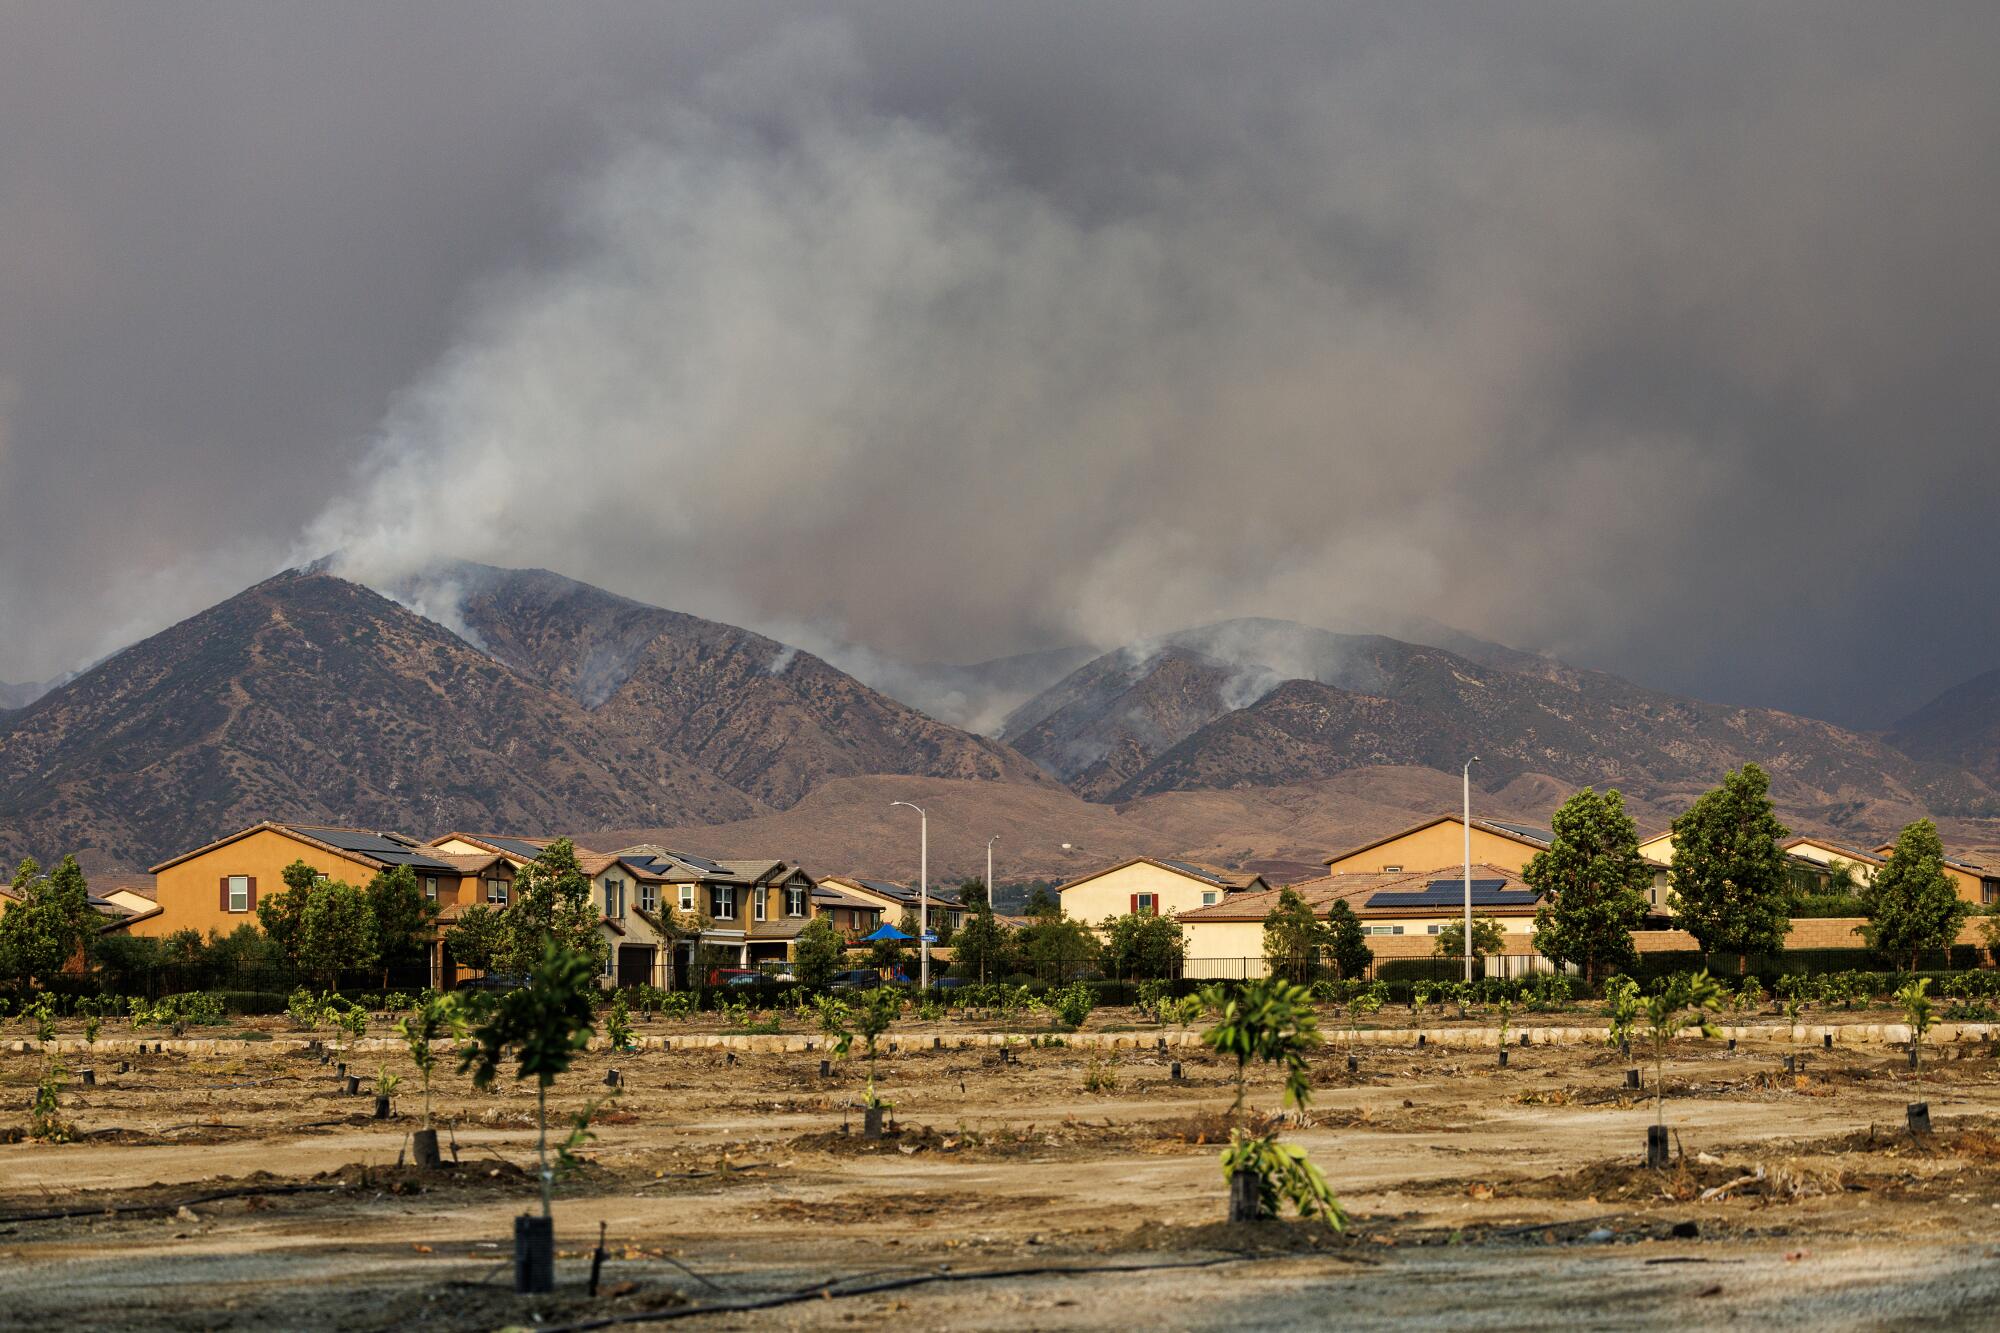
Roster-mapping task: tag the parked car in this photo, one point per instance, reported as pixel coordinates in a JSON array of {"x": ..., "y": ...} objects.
[
  {"x": 950, "y": 983},
  {"x": 734, "y": 976},
  {"x": 748, "y": 979},
  {"x": 861, "y": 978}
]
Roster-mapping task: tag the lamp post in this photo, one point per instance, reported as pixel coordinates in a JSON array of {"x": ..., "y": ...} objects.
[
  {"x": 1468, "y": 865},
  {"x": 923, "y": 896},
  {"x": 989, "y": 870}
]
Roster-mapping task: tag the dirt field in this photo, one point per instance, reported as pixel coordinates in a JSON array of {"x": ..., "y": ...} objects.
[{"x": 242, "y": 1188}]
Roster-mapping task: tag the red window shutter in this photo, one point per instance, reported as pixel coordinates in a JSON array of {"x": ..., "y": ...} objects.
[
  {"x": 1135, "y": 904},
  {"x": 225, "y": 893},
  {"x": 252, "y": 903}
]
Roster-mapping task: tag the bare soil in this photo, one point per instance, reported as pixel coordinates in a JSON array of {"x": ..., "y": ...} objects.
[{"x": 246, "y": 1189}]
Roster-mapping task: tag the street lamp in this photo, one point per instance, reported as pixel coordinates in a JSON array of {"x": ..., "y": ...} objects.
[
  {"x": 1468, "y": 866},
  {"x": 989, "y": 870},
  {"x": 924, "y": 896}
]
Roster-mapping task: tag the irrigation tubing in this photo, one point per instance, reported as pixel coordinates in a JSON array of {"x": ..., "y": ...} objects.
[{"x": 827, "y": 1290}]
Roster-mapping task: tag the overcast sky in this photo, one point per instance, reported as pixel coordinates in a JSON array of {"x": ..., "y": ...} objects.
[{"x": 1661, "y": 337}]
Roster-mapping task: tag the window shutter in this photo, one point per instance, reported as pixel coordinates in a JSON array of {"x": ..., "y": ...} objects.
[
  {"x": 1135, "y": 904},
  {"x": 251, "y": 902},
  {"x": 225, "y": 893}
]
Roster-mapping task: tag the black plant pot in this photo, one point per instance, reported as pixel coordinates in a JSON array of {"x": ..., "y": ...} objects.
[
  {"x": 826, "y": 1069},
  {"x": 424, "y": 1147},
  {"x": 1919, "y": 1114},
  {"x": 1656, "y": 1147},
  {"x": 1244, "y": 1203},
  {"x": 871, "y": 1122},
  {"x": 381, "y": 1106},
  {"x": 353, "y": 1086},
  {"x": 611, "y": 1079},
  {"x": 89, "y": 1078},
  {"x": 1353, "y": 1065},
  {"x": 1632, "y": 1079},
  {"x": 1175, "y": 1072},
  {"x": 1503, "y": 1057},
  {"x": 1826, "y": 1041},
  {"x": 534, "y": 1254}
]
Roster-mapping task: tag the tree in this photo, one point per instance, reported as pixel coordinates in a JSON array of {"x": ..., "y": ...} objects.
[
  {"x": 1142, "y": 944},
  {"x": 544, "y": 1023},
  {"x": 1042, "y": 903},
  {"x": 1592, "y": 884},
  {"x": 1351, "y": 955},
  {"x": 336, "y": 933},
  {"x": 281, "y": 913},
  {"x": 403, "y": 918},
  {"x": 817, "y": 953},
  {"x": 1056, "y": 948},
  {"x": 1911, "y": 904},
  {"x": 47, "y": 927},
  {"x": 551, "y": 901},
  {"x": 1683, "y": 1002},
  {"x": 982, "y": 949},
  {"x": 1270, "y": 1020},
  {"x": 476, "y": 938},
  {"x": 1729, "y": 885},
  {"x": 1489, "y": 937},
  {"x": 1293, "y": 937},
  {"x": 972, "y": 895}
]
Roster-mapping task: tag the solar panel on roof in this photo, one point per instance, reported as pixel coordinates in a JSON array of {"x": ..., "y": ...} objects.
[
  {"x": 1525, "y": 830},
  {"x": 375, "y": 847},
  {"x": 1451, "y": 893},
  {"x": 1196, "y": 871}
]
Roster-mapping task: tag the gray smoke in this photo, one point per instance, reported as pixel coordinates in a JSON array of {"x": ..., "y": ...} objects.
[{"x": 953, "y": 334}]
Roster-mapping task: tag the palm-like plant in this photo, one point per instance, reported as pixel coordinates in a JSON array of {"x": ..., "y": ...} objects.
[{"x": 1915, "y": 1001}]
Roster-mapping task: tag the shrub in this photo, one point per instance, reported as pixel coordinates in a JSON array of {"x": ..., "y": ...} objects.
[{"x": 1072, "y": 1004}]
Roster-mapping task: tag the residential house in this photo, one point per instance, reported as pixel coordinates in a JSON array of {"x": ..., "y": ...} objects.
[
  {"x": 215, "y": 887},
  {"x": 1401, "y": 912},
  {"x": 1151, "y": 886},
  {"x": 1977, "y": 884},
  {"x": 1441, "y": 842},
  {"x": 897, "y": 900},
  {"x": 852, "y": 915}
]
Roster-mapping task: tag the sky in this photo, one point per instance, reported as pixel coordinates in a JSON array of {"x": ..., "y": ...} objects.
[{"x": 1659, "y": 338}]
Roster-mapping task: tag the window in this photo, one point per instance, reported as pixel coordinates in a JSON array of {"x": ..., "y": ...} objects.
[
  {"x": 1381, "y": 930},
  {"x": 1209, "y": 897},
  {"x": 610, "y": 966},
  {"x": 795, "y": 900},
  {"x": 1432, "y": 930},
  {"x": 649, "y": 897},
  {"x": 1392, "y": 870},
  {"x": 1145, "y": 904},
  {"x": 687, "y": 897},
  {"x": 496, "y": 892},
  {"x": 431, "y": 887},
  {"x": 614, "y": 899},
  {"x": 722, "y": 902},
  {"x": 1989, "y": 891},
  {"x": 757, "y": 903},
  {"x": 239, "y": 893}
]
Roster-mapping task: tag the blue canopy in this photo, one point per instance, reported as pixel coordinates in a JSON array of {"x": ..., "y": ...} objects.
[{"x": 885, "y": 931}]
